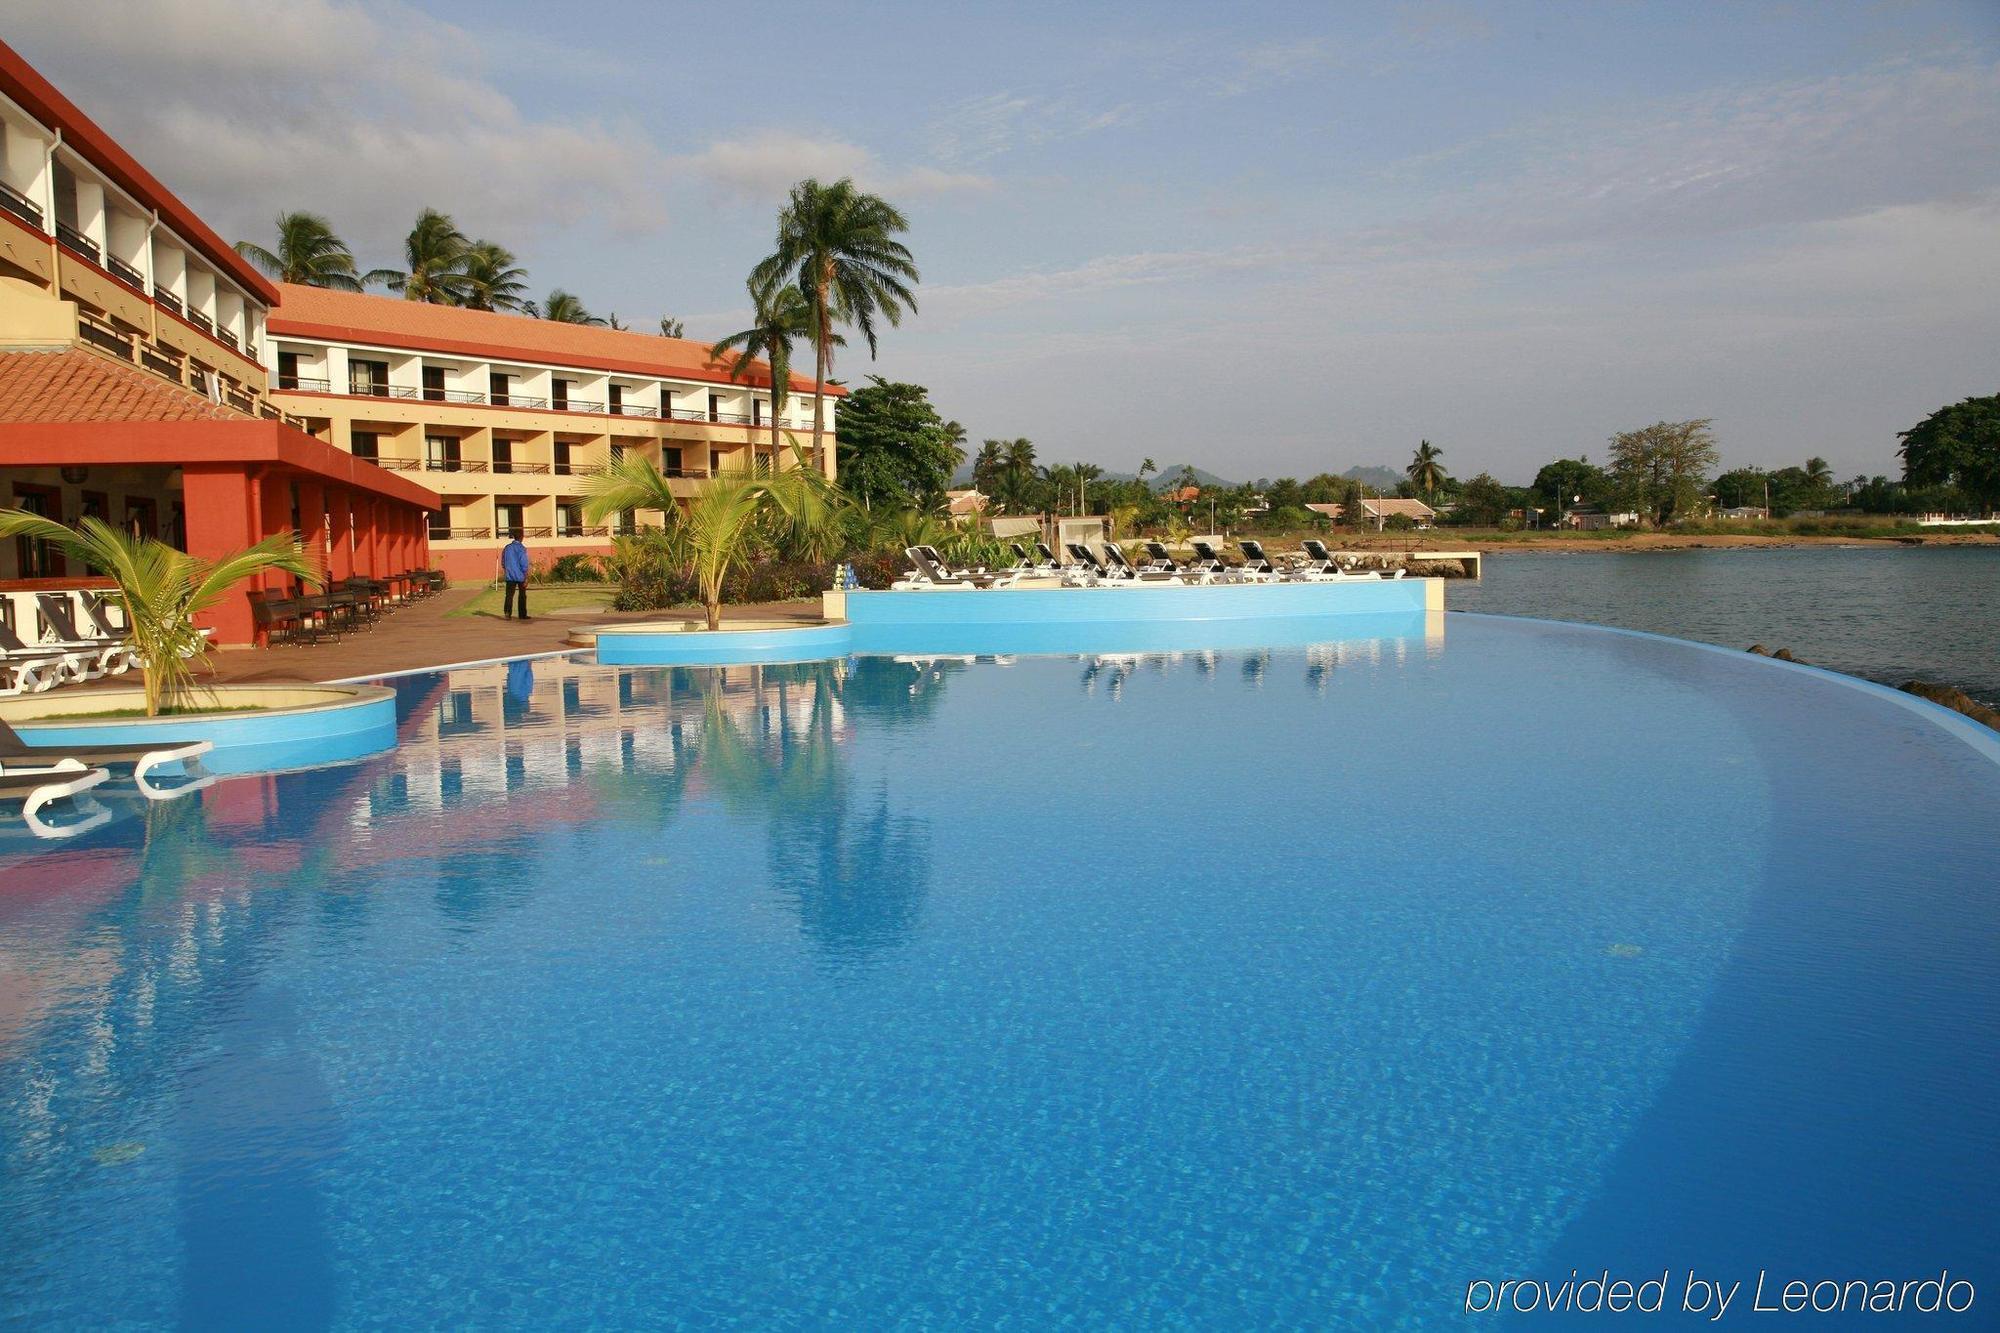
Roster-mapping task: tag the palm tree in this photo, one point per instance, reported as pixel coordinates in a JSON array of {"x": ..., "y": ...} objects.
[
  {"x": 987, "y": 466},
  {"x": 611, "y": 321},
  {"x": 435, "y": 253},
  {"x": 841, "y": 247},
  {"x": 1062, "y": 480},
  {"x": 1424, "y": 471},
  {"x": 722, "y": 519},
  {"x": 1819, "y": 476},
  {"x": 490, "y": 279},
  {"x": 162, "y": 590},
  {"x": 1086, "y": 473},
  {"x": 671, "y": 327},
  {"x": 780, "y": 315},
  {"x": 1018, "y": 476},
  {"x": 310, "y": 255},
  {"x": 564, "y": 308}
]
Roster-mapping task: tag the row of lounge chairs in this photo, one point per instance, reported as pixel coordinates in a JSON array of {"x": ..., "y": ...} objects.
[
  {"x": 79, "y": 642},
  {"x": 340, "y": 608},
  {"x": 1314, "y": 563}
]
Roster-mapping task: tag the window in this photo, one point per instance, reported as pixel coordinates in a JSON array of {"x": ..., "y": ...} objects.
[
  {"x": 569, "y": 520},
  {"x": 288, "y": 370},
  {"x": 503, "y": 456},
  {"x": 38, "y": 559},
  {"x": 365, "y": 444},
  {"x": 141, "y": 518},
  {"x": 433, "y": 384},
  {"x": 441, "y": 453},
  {"x": 370, "y": 379},
  {"x": 617, "y": 399},
  {"x": 508, "y": 519},
  {"x": 670, "y": 460},
  {"x": 628, "y": 522},
  {"x": 441, "y": 524},
  {"x": 617, "y": 452},
  {"x": 500, "y": 387},
  {"x": 756, "y": 411},
  {"x": 562, "y": 458},
  {"x": 714, "y": 405},
  {"x": 666, "y": 402},
  {"x": 559, "y": 395}
]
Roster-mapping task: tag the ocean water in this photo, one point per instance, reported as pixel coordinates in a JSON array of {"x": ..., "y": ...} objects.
[
  {"x": 1932, "y": 613},
  {"x": 1297, "y": 987}
]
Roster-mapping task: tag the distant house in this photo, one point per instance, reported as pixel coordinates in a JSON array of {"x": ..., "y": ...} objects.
[
  {"x": 1181, "y": 495},
  {"x": 1743, "y": 511},
  {"x": 969, "y": 503},
  {"x": 1589, "y": 518},
  {"x": 1382, "y": 509}
]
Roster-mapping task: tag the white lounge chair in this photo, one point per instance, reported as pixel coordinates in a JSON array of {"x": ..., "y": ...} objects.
[
  {"x": 109, "y": 655},
  {"x": 35, "y": 788},
  {"x": 31, "y": 670}
]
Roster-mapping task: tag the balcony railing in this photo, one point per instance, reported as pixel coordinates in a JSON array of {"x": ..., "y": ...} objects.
[
  {"x": 305, "y": 384},
  {"x": 461, "y": 534},
  {"x": 512, "y": 467},
  {"x": 161, "y": 361},
  {"x": 399, "y": 464},
  {"x": 166, "y": 300},
  {"x": 200, "y": 321},
  {"x": 228, "y": 339},
  {"x": 20, "y": 206},
  {"x": 581, "y": 531},
  {"x": 518, "y": 400},
  {"x": 72, "y": 239},
  {"x": 527, "y": 534},
  {"x": 579, "y": 405},
  {"x": 126, "y": 274},
  {"x": 455, "y": 465},
  {"x": 109, "y": 340}
]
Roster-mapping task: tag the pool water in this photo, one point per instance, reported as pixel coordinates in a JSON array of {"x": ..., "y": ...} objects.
[{"x": 1298, "y": 987}]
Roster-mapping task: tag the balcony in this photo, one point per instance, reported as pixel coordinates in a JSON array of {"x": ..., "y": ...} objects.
[
  {"x": 20, "y": 206},
  {"x": 511, "y": 468},
  {"x": 72, "y": 239},
  {"x": 455, "y": 465},
  {"x": 578, "y": 405},
  {"x": 126, "y": 274},
  {"x": 228, "y": 339},
  {"x": 581, "y": 532},
  {"x": 528, "y": 534},
  {"x": 461, "y": 534},
  {"x": 167, "y": 301},
  {"x": 200, "y": 321},
  {"x": 105, "y": 339},
  {"x": 162, "y": 361},
  {"x": 305, "y": 384}
]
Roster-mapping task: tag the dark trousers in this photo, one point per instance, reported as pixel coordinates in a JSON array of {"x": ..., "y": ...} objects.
[{"x": 514, "y": 591}]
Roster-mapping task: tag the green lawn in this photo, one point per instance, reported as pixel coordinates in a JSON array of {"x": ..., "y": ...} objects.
[{"x": 543, "y": 598}]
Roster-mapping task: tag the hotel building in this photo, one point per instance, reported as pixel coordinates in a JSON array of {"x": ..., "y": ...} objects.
[
  {"x": 151, "y": 377},
  {"x": 132, "y": 379},
  {"x": 504, "y": 415}
]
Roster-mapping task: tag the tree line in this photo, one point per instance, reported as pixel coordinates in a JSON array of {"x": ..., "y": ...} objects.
[{"x": 441, "y": 265}]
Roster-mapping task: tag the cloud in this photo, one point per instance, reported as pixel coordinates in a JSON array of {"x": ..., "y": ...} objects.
[
  {"x": 1737, "y": 157},
  {"x": 984, "y": 127},
  {"x": 762, "y": 167},
  {"x": 1263, "y": 66},
  {"x": 364, "y": 114},
  {"x": 1095, "y": 277}
]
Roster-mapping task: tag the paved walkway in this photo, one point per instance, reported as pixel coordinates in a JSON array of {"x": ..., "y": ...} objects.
[{"x": 427, "y": 634}]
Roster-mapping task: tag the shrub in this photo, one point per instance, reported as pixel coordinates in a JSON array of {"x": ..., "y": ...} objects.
[{"x": 576, "y": 567}]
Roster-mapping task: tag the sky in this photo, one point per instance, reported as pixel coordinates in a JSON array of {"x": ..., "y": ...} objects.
[{"x": 1267, "y": 249}]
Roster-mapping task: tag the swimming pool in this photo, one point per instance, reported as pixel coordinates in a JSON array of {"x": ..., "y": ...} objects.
[{"x": 1287, "y": 985}]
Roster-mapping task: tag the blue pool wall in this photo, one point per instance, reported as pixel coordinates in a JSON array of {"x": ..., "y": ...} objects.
[
  {"x": 302, "y": 737},
  {"x": 1055, "y": 620}
]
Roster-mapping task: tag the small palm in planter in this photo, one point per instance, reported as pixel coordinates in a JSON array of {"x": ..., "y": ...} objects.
[
  {"x": 726, "y": 518},
  {"x": 161, "y": 590}
]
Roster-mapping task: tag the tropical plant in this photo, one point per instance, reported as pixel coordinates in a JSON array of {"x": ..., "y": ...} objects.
[
  {"x": 434, "y": 258},
  {"x": 1020, "y": 481},
  {"x": 310, "y": 255},
  {"x": 1957, "y": 446},
  {"x": 1424, "y": 471},
  {"x": 490, "y": 279},
  {"x": 840, "y": 245},
  {"x": 780, "y": 315},
  {"x": 671, "y": 327},
  {"x": 987, "y": 465},
  {"x": 722, "y": 520},
  {"x": 894, "y": 449},
  {"x": 563, "y": 308},
  {"x": 1818, "y": 475},
  {"x": 1664, "y": 467},
  {"x": 162, "y": 590}
]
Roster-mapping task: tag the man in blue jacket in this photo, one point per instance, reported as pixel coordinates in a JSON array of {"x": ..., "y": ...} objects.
[{"x": 514, "y": 569}]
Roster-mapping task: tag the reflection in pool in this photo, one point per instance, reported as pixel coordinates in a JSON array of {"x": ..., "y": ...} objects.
[{"x": 1287, "y": 985}]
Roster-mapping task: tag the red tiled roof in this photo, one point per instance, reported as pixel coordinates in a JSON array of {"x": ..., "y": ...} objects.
[
  {"x": 391, "y": 321},
  {"x": 74, "y": 385},
  {"x": 25, "y": 85}
]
